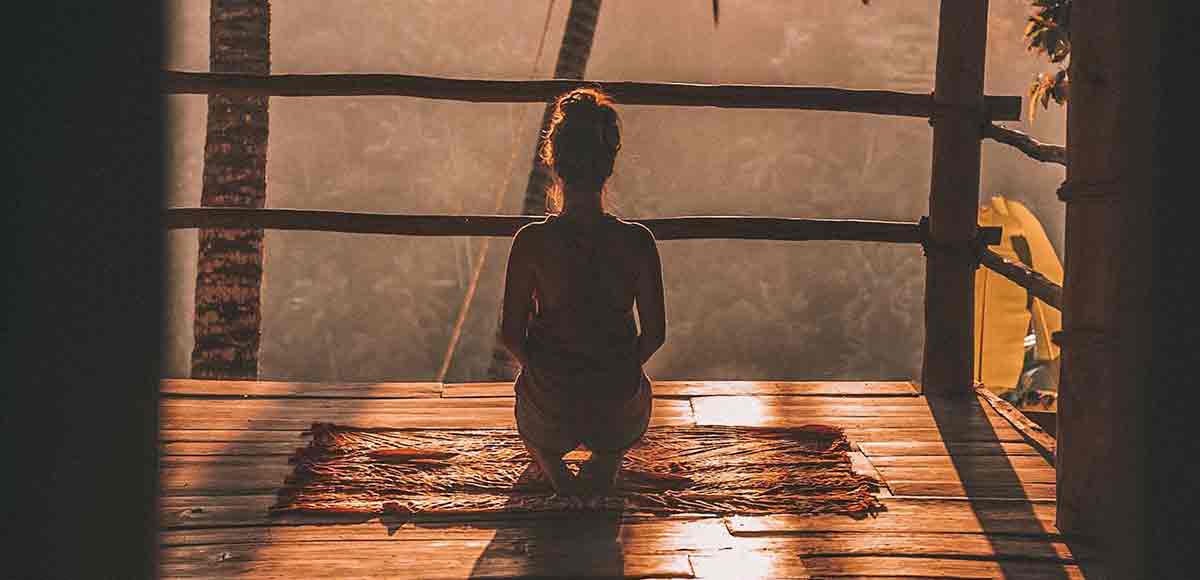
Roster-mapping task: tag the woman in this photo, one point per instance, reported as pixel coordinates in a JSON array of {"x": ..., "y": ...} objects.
[{"x": 571, "y": 286}]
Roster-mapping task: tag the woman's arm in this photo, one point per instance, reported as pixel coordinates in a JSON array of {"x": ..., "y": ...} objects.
[
  {"x": 649, "y": 298},
  {"x": 518, "y": 297}
]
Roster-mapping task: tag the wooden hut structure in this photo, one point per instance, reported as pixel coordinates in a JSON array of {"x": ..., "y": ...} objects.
[{"x": 971, "y": 488}]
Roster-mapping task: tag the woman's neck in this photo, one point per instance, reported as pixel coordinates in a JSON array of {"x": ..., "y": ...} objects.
[{"x": 582, "y": 203}]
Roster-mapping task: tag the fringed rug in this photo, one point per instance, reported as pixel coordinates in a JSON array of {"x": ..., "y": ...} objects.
[{"x": 697, "y": 470}]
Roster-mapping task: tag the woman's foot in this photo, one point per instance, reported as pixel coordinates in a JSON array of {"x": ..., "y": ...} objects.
[
  {"x": 598, "y": 475},
  {"x": 555, "y": 471}
]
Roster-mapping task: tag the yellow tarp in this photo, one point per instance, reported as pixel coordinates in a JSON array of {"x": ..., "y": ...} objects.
[{"x": 1002, "y": 319}]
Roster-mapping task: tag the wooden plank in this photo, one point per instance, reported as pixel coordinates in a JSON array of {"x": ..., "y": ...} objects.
[
  {"x": 543, "y": 91},
  {"x": 874, "y": 441},
  {"x": 931, "y": 435},
  {"x": 730, "y": 565},
  {"x": 965, "y": 462},
  {"x": 753, "y": 410},
  {"x": 431, "y": 559},
  {"x": 901, "y": 515},
  {"x": 915, "y": 515},
  {"x": 860, "y": 464},
  {"x": 972, "y": 489},
  {"x": 928, "y": 406},
  {"x": 919, "y": 544},
  {"x": 223, "y": 478},
  {"x": 845, "y": 407},
  {"x": 233, "y": 447},
  {"x": 298, "y": 414},
  {"x": 430, "y": 405},
  {"x": 294, "y": 389},
  {"x": 654, "y": 536},
  {"x": 661, "y": 534},
  {"x": 228, "y": 510},
  {"x": 790, "y": 388},
  {"x": 955, "y": 448},
  {"x": 1037, "y": 436},
  {"x": 865, "y": 390},
  {"x": 488, "y": 389},
  {"x": 188, "y": 435}
]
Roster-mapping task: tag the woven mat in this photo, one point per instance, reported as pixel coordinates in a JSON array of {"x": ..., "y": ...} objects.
[{"x": 696, "y": 470}]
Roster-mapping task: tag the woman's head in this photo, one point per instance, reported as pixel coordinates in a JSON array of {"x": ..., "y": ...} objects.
[{"x": 581, "y": 143}]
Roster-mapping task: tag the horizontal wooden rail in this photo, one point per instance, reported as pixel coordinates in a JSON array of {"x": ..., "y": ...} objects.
[
  {"x": 1044, "y": 152},
  {"x": 675, "y": 228},
  {"x": 541, "y": 91},
  {"x": 1037, "y": 284}
]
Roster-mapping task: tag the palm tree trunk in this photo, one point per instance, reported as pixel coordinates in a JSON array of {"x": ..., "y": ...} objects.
[
  {"x": 229, "y": 271},
  {"x": 572, "y": 62}
]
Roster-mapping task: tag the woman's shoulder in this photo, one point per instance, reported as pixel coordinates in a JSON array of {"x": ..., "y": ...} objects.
[
  {"x": 530, "y": 235},
  {"x": 635, "y": 231},
  {"x": 536, "y": 228}
]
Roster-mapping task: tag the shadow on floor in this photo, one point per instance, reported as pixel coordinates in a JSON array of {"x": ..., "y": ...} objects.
[
  {"x": 951, "y": 414},
  {"x": 567, "y": 544}
]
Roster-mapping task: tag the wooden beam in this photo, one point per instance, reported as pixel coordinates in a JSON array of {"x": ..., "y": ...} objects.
[
  {"x": 1110, "y": 353},
  {"x": 1037, "y": 284},
  {"x": 1044, "y": 152},
  {"x": 999, "y": 108},
  {"x": 1038, "y": 437},
  {"x": 954, "y": 199},
  {"x": 675, "y": 228}
]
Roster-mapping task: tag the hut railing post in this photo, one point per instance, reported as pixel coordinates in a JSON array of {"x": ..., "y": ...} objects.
[{"x": 954, "y": 198}]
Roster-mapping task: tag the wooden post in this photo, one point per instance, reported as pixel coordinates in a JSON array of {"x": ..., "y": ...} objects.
[
  {"x": 954, "y": 197},
  {"x": 1107, "y": 356}
]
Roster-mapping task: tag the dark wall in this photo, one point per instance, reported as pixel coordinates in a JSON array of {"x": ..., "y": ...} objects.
[
  {"x": 83, "y": 200},
  {"x": 1170, "y": 382}
]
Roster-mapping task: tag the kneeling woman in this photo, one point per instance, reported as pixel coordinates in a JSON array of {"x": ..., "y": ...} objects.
[{"x": 572, "y": 283}]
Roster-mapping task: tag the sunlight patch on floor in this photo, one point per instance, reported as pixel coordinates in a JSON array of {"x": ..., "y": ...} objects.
[{"x": 749, "y": 411}]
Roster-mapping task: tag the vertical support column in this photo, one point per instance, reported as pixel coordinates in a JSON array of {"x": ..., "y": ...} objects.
[
  {"x": 954, "y": 198},
  {"x": 1107, "y": 356}
]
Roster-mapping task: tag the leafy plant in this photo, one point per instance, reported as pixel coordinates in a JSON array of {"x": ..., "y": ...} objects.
[{"x": 1049, "y": 32}]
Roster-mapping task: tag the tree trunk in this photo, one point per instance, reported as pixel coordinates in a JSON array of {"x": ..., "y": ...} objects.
[
  {"x": 229, "y": 271},
  {"x": 572, "y": 63}
]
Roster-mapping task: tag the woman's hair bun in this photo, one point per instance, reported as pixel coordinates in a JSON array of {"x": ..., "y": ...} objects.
[{"x": 583, "y": 138}]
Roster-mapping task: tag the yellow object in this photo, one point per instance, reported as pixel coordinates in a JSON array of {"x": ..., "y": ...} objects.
[{"x": 1002, "y": 319}]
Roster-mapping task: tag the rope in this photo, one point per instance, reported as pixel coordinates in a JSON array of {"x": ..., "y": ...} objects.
[{"x": 469, "y": 297}]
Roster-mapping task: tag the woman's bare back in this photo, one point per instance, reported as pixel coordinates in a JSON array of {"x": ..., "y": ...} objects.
[{"x": 572, "y": 286}]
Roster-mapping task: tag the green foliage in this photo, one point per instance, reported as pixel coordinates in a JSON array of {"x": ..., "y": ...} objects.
[
  {"x": 1049, "y": 32},
  {"x": 1049, "y": 29}
]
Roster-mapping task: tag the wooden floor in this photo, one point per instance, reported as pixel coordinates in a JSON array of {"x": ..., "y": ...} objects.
[{"x": 969, "y": 492}]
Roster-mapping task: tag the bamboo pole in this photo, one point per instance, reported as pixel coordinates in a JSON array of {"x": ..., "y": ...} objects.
[
  {"x": 999, "y": 108},
  {"x": 954, "y": 199},
  {"x": 1037, "y": 284},
  {"x": 673, "y": 228}
]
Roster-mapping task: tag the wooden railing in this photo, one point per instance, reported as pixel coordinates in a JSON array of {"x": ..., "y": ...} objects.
[
  {"x": 625, "y": 92},
  {"x": 955, "y": 109},
  {"x": 1037, "y": 284},
  {"x": 672, "y": 228}
]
